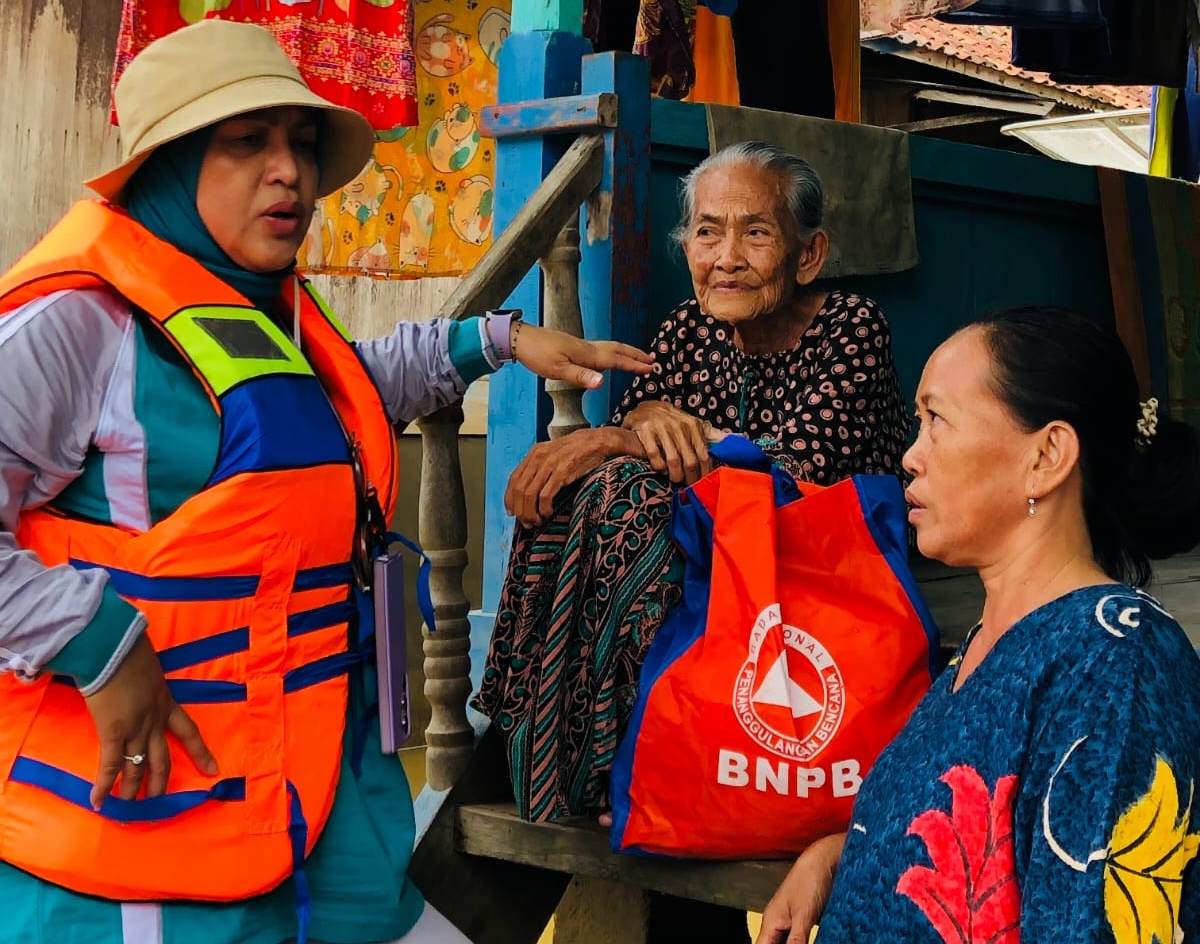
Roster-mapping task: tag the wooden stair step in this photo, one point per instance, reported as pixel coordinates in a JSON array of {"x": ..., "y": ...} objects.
[{"x": 580, "y": 847}]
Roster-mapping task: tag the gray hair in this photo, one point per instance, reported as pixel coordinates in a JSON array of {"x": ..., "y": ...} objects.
[{"x": 803, "y": 194}]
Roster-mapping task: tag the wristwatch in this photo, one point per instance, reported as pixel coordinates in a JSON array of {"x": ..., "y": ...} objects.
[{"x": 500, "y": 323}]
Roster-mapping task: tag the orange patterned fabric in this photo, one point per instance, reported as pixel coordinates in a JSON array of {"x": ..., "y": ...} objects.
[
  {"x": 716, "y": 62},
  {"x": 423, "y": 205},
  {"x": 357, "y": 53}
]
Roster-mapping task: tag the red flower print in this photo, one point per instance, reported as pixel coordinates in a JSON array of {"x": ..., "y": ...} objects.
[{"x": 970, "y": 894}]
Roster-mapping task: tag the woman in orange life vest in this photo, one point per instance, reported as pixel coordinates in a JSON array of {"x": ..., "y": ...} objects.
[{"x": 184, "y": 749}]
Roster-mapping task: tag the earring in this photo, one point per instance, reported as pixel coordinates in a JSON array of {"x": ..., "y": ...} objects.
[{"x": 1032, "y": 507}]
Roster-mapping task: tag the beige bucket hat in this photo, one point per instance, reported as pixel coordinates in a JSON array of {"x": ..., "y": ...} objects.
[{"x": 213, "y": 70}]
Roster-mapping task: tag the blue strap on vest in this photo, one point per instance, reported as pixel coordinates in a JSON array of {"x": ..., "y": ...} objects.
[
  {"x": 298, "y": 834},
  {"x": 76, "y": 790},
  {"x": 202, "y": 589},
  {"x": 230, "y": 642}
]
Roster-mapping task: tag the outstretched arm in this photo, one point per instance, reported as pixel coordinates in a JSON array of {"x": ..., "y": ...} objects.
[
  {"x": 797, "y": 905},
  {"x": 423, "y": 366}
]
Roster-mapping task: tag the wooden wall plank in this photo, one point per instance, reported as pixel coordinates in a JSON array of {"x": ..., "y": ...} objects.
[{"x": 55, "y": 57}]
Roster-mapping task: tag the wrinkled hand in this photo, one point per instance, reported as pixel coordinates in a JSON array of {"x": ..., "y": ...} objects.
[
  {"x": 557, "y": 355},
  {"x": 550, "y": 466},
  {"x": 676, "y": 442},
  {"x": 797, "y": 905},
  {"x": 133, "y": 712}
]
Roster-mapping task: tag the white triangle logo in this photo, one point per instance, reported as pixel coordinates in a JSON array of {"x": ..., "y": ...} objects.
[{"x": 778, "y": 689}]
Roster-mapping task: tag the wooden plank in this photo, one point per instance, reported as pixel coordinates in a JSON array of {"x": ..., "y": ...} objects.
[
  {"x": 950, "y": 121},
  {"x": 1023, "y": 105},
  {"x": 570, "y": 114},
  {"x": 490, "y": 900},
  {"x": 531, "y": 232},
  {"x": 580, "y": 847},
  {"x": 55, "y": 64}
]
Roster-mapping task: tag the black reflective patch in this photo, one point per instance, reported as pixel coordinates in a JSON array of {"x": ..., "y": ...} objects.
[{"x": 242, "y": 339}]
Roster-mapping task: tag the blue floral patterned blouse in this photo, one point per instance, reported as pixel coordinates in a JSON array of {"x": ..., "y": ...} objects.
[{"x": 1049, "y": 799}]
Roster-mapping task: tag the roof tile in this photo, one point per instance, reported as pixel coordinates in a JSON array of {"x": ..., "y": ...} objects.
[{"x": 991, "y": 47}]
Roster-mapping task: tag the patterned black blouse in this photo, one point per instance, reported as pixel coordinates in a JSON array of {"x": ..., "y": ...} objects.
[{"x": 828, "y": 408}]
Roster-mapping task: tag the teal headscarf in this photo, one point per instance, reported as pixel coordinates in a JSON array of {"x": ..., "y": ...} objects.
[{"x": 162, "y": 197}]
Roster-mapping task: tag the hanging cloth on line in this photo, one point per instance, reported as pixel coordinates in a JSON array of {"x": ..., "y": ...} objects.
[
  {"x": 1139, "y": 43},
  {"x": 782, "y": 62},
  {"x": 1175, "y": 129},
  {"x": 356, "y": 54},
  {"x": 1040, "y": 14}
]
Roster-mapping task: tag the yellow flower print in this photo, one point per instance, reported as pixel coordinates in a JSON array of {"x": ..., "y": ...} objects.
[{"x": 1148, "y": 851}]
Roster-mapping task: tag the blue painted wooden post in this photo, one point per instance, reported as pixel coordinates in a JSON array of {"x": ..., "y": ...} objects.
[
  {"x": 532, "y": 66},
  {"x": 614, "y": 269},
  {"x": 530, "y": 16}
]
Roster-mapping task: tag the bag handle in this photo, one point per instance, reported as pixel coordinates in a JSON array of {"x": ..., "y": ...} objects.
[{"x": 742, "y": 453}]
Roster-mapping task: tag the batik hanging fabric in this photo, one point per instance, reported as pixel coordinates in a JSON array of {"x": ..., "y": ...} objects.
[
  {"x": 1090, "y": 42},
  {"x": 663, "y": 32},
  {"x": 356, "y": 53},
  {"x": 1139, "y": 43},
  {"x": 1043, "y": 14},
  {"x": 783, "y": 61},
  {"x": 1175, "y": 128}
]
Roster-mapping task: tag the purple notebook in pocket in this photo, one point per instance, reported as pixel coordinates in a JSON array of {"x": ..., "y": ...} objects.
[{"x": 391, "y": 652}]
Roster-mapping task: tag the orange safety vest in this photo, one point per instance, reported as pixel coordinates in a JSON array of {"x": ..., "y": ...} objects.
[{"x": 247, "y": 588}]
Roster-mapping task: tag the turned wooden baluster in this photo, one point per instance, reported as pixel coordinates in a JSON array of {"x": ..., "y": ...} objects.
[
  {"x": 449, "y": 738},
  {"x": 560, "y": 309}
]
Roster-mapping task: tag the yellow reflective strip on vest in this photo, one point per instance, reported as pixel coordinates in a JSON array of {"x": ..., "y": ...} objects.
[
  {"x": 232, "y": 345},
  {"x": 328, "y": 313}
]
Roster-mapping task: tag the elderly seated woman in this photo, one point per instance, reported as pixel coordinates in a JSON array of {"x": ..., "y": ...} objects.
[{"x": 760, "y": 351}]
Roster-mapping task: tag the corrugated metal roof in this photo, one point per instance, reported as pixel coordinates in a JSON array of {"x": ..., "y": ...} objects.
[{"x": 991, "y": 47}]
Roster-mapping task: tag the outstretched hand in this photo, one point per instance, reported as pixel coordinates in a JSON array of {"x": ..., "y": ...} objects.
[
  {"x": 133, "y": 712},
  {"x": 557, "y": 355}
]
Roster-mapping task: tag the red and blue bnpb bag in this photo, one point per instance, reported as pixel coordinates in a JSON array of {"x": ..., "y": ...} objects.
[{"x": 799, "y": 650}]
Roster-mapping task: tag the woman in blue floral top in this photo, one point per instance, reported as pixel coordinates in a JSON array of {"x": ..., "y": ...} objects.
[{"x": 1044, "y": 789}]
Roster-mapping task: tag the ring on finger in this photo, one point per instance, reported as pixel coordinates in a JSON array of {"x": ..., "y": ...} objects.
[{"x": 136, "y": 759}]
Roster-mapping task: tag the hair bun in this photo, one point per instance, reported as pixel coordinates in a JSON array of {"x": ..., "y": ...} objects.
[{"x": 1162, "y": 516}]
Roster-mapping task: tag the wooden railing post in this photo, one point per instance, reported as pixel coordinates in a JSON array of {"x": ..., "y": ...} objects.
[
  {"x": 534, "y": 66},
  {"x": 560, "y": 309},
  {"x": 449, "y": 738}
]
